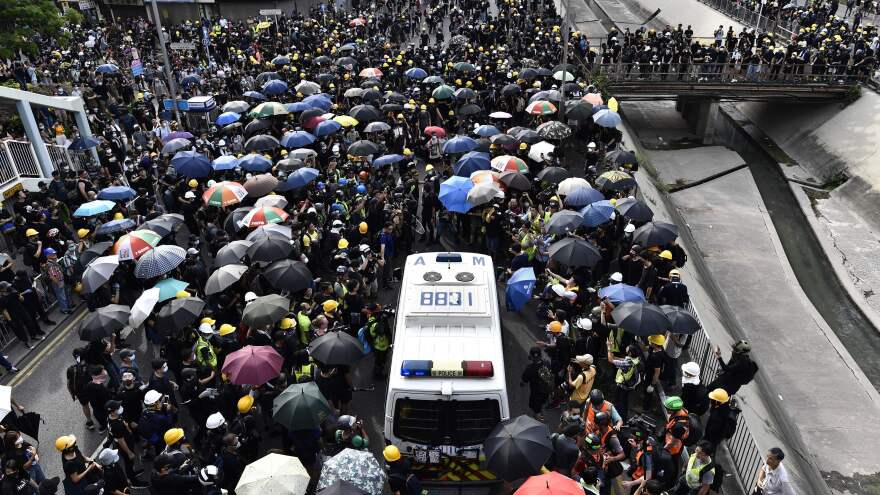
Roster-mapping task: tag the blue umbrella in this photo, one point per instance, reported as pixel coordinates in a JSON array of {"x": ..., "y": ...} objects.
[
  {"x": 519, "y": 288},
  {"x": 106, "y": 69},
  {"x": 255, "y": 163},
  {"x": 583, "y": 196},
  {"x": 192, "y": 164},
  {"x": 453, "y": 194},
  {"x": 83, "y": 143},
  {"x": 606, "y": 118},
  {"x": 225, "y": 162},
  {"x": 117, "y": 193},
  {"x": 487, "y": 130},
  {"x": 326, "y": 128},
  {"x": 297, "y": 139},
  {"x": 190, "y": 79},
  {"x": 297, "y": 107},
  {"x": 93, "y": 208},
  {"x": 618, "y": 293},
  {"x": 597, "y": 213},
  {"x": 320, "y": 100},
  {"x": 472, "y": 162},
  {"x": 416, "y": 73},
  {"x": 385, "y": 160},
  {"x": 301, "y": 177},
  {"x": 274, "y": 87},
  {"x": 169, "y": 287},
  {"x": 227, "y": 118},
  {"x": 255, "y": 95},
  {"x": 459, "y": 144},
  {"x": 116, "y": 226}
]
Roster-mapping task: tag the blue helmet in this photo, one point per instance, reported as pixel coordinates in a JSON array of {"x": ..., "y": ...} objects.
[
  {"x": 320, "y": 185},
  {"x": 343, "y": 181},
  {"x": 361, "y": 189}
]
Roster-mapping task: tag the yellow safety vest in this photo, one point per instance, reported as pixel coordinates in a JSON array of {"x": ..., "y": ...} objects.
[
  {"x": 692, "y": 475},
  {"x": 305, "y": 370},
  {"x": 201, "y": 346}
]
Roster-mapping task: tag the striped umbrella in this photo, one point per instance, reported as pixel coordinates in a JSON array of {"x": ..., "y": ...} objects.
[
  {"x": 134, "y": 245},
  {"x": 541, "y": 108},
  {"x": 268, "y": 109},
  {"x": 371, "y": 72},
  {"x": 508, "y": 162},
  {"x": 264, "y": 215},
  {"x": 224, "y": 194},
  {"x": 159, "y": 261}
]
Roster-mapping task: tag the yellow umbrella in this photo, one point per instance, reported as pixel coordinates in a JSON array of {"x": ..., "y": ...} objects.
[
  {"x": 612, "y": 104},
  {"x": 264, "y": 25},
  {"x": 346, "y": 121}
]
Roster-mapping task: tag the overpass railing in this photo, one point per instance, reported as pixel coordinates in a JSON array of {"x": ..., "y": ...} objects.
[
  {"x": 729, "y": 73},
  {"x": 752, "y": 15}
]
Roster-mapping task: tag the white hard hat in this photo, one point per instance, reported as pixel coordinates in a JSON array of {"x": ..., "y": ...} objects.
[
  {"x": 152, "y": 397},
  {"x": 558, "y": 289},
  {"x": 690, "y": 373},
  {"x": 189, "y": 195},
  {"x": 215, "y": 421},
  {"x": 206, "y": 328},
  {"x": 250, "y": 296},
  {"x": 616, "y": 277},
  {"x": 630, "y": 228},
  {"x": 591, "y": 145},
  {"x": 584, "y": 323}
]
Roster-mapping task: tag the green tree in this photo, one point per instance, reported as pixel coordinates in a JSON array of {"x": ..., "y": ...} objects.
[{"x": 21, "y": 19}]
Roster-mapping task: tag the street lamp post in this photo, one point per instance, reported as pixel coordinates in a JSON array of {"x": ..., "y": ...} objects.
[
  {"x": 565, "y": 31},
  {"x": 166, "y": 62}
]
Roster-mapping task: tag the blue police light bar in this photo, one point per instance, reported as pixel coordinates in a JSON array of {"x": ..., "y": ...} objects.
[{"x": 414, "y": 368}]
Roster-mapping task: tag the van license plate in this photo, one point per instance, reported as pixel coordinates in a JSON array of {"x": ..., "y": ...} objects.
[{"x": 427, "y": 456}]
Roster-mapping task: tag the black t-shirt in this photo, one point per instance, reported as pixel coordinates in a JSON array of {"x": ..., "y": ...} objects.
[
  {"x": 118, "y": 430},
  {"x": 17, "y": 484},
  {"x": 78, "y": 465},
  {"x": 114, "y": 478}
]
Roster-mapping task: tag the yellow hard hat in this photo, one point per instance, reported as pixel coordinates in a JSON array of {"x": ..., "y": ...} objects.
[
  {"x": 329, "y": 305},
  {"x": 613, "y": 201},
  {"x": 555, "y": 326},
  {"x": 451, "y": 113},
  {"x": 30, "y": 232},
  {"x": 65, "y": 442},
  {"x": 82, "y": 233},
  {"x": 429, "y": 167},
  {"x": 285, "y": 323},
  {"x": 342, "y": 244},
  {"x": 193, "y": 183},
  {"x": 209, "y": 321},
  {"x": 78, "y": 287},
  {"x": 118, "y": 216},
  {"x": 657, "y": 339},
  {"x": 363, "y": 227},
  {"x": 674, "y": 273},
  {"x": 181, "y": 294},
  {"x": 407, "y": 151},
  {"x": 720, "y": 395},
  {"x": 431, "y": 100},
  {"x": 666, "y": 255},
  {"x": 391, "y": 453},
  {"x": 523, "y": 146},
  {"x": 423, "y": 107},
  {"x": 245, "y": 404},
  {"x": 225, "y": 329},
  {"x": 173, "y": 436}
]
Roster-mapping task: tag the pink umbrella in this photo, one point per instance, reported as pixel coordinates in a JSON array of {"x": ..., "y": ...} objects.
[
  {"x": 253, "y": 365},
  {"x": 593, "y": 98}
]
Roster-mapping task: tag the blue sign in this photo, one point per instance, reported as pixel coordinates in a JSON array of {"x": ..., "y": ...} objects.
[
  {"x": 137, "y": 67},
  {"x": 182, "y": 105}
]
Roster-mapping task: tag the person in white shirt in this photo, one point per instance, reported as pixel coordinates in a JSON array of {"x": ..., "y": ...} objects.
[{"x": 773, "y": 477}]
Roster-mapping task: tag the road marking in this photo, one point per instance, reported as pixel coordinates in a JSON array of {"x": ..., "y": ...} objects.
[{"x": 57, "y": 338}]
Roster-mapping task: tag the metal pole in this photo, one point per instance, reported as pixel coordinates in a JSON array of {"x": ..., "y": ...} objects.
[
  {"x": 172, "y": 86},
  {"x": 758, "y": 22},
  {"x": 565, "y": 31}
]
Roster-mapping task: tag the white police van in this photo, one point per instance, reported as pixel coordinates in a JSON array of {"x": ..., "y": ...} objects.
[{"x": 447, "y": 389}]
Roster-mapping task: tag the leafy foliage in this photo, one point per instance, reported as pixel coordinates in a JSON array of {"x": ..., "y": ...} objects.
[{"x": 22, "y": 19}]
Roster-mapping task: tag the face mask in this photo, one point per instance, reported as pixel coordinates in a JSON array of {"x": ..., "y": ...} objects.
[
  {"x": 119, "y": 411},
  {"x": 77, "y": 359},
  {"x": 19, "y": 442},
  {"x": 165, "y": 368},
  {"x": 237, "y": 443}
]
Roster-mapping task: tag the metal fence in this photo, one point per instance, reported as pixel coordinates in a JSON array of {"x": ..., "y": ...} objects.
[
  {"x": 47, "y": 301},
  {"x": 8, "y": 173},
  {"x": 729, "y": 73},
  {"x": 754, "y": 15},
  {"x": 24, "y": 158}
]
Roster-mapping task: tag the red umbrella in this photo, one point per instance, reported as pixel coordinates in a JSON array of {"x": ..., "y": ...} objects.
[
  {"x": 312, "y": 122},
  {"x": 357, "y": 21},
  {"x": 550, "y": 484},
  {"x": 253, "y": 365},
  {"x": 433, "y": 130}
]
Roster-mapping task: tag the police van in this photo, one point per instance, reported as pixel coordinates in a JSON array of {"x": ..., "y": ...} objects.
[{"x": 446, "y": 390}]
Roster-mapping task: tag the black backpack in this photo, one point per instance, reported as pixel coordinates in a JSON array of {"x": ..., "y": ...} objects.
[
  {"x": 717, "y": 478},
  {"x": 77, "y": 378},
  {"x": 546, "y": 376},
  {"x": 695, "y": 430}
]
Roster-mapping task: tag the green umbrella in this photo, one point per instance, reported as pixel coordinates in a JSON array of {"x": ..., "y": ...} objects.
[
  {"x": 443, "y": 92},
  {"x": 464, "y": 67},
  {"x": 268, "y": 109},
  {"x": 300, "y": 407}
]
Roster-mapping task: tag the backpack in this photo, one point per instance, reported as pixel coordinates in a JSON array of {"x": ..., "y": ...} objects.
[
  {"x": 730, "y": 424},
  {"x": 546, "y": 376},
  {"x": 77, "y": 378},
  {"x": 717, "y": 478},
  {"x": 749, "y": 375},
  {"x": 695, "y": 430}
]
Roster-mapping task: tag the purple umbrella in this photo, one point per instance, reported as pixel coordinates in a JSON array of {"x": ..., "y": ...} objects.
[
  {"x": 253, "y": 365},
  {"x": 177, "y": 135}
]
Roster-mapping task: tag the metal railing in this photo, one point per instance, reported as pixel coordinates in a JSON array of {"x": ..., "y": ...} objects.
[
  {"x": 730, "y": 73},
  {"x": 47, "y": 301},
  {"x": 752, "y": 15},
  {"x": 24, "y": 158},
  {"x": 8, "y": 173}
]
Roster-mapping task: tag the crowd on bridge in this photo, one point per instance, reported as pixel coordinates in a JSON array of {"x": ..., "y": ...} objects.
[{"x": 251, "y": 248}]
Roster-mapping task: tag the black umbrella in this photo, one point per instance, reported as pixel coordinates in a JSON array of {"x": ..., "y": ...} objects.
[
  {"x": 289, "y": 275},
  {"x": 655, "y": 234},
  {"x": 233, "y": 128},
  {"x": 517, "y": 448},
  {"x": 179, "y": 313},
  {"x": 325, "y": 78},
  {"x": 680, "y": 320},
  {"x": 563, "y": 222},
  {"x": 529, "y": 136},
  {"x": 270, "y": 248},
  {"x": 554, "y": 175},
  {"x": 395, "y": 97},
  {"x": 363, "y": 147},
  {"x": 469, "y": 109},
  {"x": 575, "y": 252},
  {"x": 161, "y": 226},
  {"x": 578, "y": 110},
  {"x": 483, "y": 145},
  {"x": 391, "y": 107},
  {"x": 347, "y": 63},
  {"x": 336, "y": 349},
  {"x": 232, "y": 253},
  {"x": 322, "y": 60},
  {"x": 263, "y": 142},
  {"x": 622, "y": 158},
  {"x": 371, "y": 94},
  {"x": 515, "y": 180},
  {"x": 465, "y": 94},
  {"x": 503, "y": 140},
  {"x": 96, "y": 251},
  {"x": 256, "y": 126},
  {"x": 543, "y": 72},
  {"x": 264, "y": 77},
  {"x": 511, "y": 90},
  {"x": 289, "y": 165},
  {"x": 635, "y": 210},
  {"x": 365, "y": 113},
  {"x": 528, "y": 73},
  {"x": 231, "y": 224},
  {"x": 265, "y": 310},
  {"x": 513, "y": 131},
  {"x": 641, "y": 318},
  {"x": 370, "y": 83},
  {"x": 103, "y": 322},
  {"x": 311, "y": 112}
]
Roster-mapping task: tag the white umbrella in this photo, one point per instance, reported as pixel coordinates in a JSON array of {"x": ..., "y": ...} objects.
[
  {"x": 5, "y": 401},
  {"x": 541, "y": 150},
  {"x": 570, "y": 184},
  {"x": 224, "y": 277},
  {"x": 276, "y": 200},
  {"x": 500, "y": 115},
  {"x": 303, "y": 153},
  {"x": 483, "y": 193},
  {"x": 99, "y": 272},
  {"x": 270, "y": 229},
  {"x": 274, "y": 474},
  {"x": 143, "y": 307}
]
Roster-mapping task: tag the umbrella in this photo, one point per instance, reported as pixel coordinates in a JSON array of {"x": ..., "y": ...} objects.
[
  {"x": 597, "y": 213},
  {"x": 615, "y": 180},
  {"x": 454, "y": 192},
  {"x": 260, "y": 185},
  {"x": 459, "y": 39},
  {"x": 179, "y": 314},
  {"x": 443, "y": 92},
  {"x": 575, "y": 252},
  {"x": 92, "y": 253},
  {"x": 433, "y": 130},
  {"x": 358, "y": 467},
  {"x": 635, "y": 210},
  {"x": 433, "y": 80},
  {"x": 227, "y": 118},
  {"x": 232, "y": 128},
  {"x": 270, "y": 248},
  {"x": 265, "y": 310},
  {"x": 117, "y": 193},
  {"x": 326, "y": 127},
  {"x": 301, "y": 177},
  {"x": 98, "y": 272},
  {"x": 578, "y": 110},
  {"x": 236, "y": 106},
  {"x": 385, "y": 160},
  {"x": 363, "y": 147},
  {"x": 307, "y": 87},
  {"x": 541, "y": 151},
  {"x": 263, "y": 216},
  {"x": 377, "y": 127},
  {"x": 297, "y": 107},
  {"x": 511, "y": 90},
  {"x": 288, "y": 165},
  {"x": 224, "y": 194},
  {"x": 507, "y": 162},
  {"x": 159, "y": 261},
  {"x": 353, "y": 93},
  {"x": 486, "y": 130},
  {"x": 640, "y": 318},
  {"x": 190, "y": 80},
  {"x": 365, "y": 113},
  {"x": 618, "y": 293},
  {"x": 346, "y": 121},
  {"x": 680, "y": 320},
  {"x": 103, "y": 322},
  {"x": 224, "y": 277},
  {"x": 160, "y": 225},
  {"x": 254, "y": 95},
  {"x": 505, "y": 140},
  {"x": 143, "y": 306},
  {"x": 93, "y": 208},
  {"x": 484, "y": 192},
  {"x": 515, "y": 181},
  {"x": 519, "y": 288},
  {"x": 262, "y": 142},
  {"x": 175, "y": 145},
  {"x": 254, "y": 162},
  {"x": 300, "y": 406},
  {"x": 169, "y": 287},
  {"x": 256, "y": 126},
  {"x": 459, "y": 144},
  {"x": 622, "y": 158},
  {"x": 500, "y": 115},
  {"x": 606, "y": 118},
  {"x": 553, "y": 175},
  {"x": 655, "y": 234},
  {"x": 336, "y": 349},
  {"x": 281, "y": 60},
  {"x": 289, "y": 275},
  {"x": 106, "y": 69},
  {"x": 518, "y": 447},
  {"x": 268, "y": 109},
  {"x": 531, "y": 137},
  {"x": 593, "y": 98},
  {"x": 551, "y": 483},
  {"x": 541, "y": 107},
  {"x": 274, "y": 87},
  {"x": 570, "y": 184},
  {"x": 253, "y": 365},
  {"x": 563, "y": 75},
  {"x": 192, "y": 164},
  {"x": 232, "y": 252},
  {"x": 583, "y": 196},
  {"x": 348, "y": 63},
  {"x": 469, "y": 109},
  {"x": 274, "y": 474},
  {"x": 270, "y": 230},
  {"x": 370, "y": 72},
  {"x": 83, "y": 143},
  {"x": 135, "y": 244},
  {"x": 554, "y": 130},
  {"x": 416, "y": 73},
  {"x": 297, "y": 139},
  {"x": 341, "y": 487},
  {"x": 563, "y": 222},
  {"x": 115, "y": 226}
]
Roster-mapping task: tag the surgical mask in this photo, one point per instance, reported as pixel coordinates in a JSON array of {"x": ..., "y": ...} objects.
[
  {"x": 19, "y": 441},
  {"x": 237, "y": 443},
  {"x": 165, "y": 368},
  {"x": 77, "y": 359},
  {"x": 119, "y": 411}
]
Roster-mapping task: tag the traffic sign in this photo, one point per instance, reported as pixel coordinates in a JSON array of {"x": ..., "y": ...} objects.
[
  {"x": 182, "y": 105},
  {"x": 182, "y": 45},
  {"x": 270, "y": 11}
]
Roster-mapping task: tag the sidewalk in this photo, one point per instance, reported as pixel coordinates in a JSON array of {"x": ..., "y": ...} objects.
[{"x": 702, "y": 18}]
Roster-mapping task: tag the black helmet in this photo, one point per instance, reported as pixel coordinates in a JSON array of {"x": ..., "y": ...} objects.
[
  {"x": 603, "y": 419},
  {"x": 592, "y": 442},
  {"x": 596, "y": 397}
]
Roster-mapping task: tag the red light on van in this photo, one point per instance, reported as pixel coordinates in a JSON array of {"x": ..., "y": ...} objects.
[{"x": 478, "y": 369}]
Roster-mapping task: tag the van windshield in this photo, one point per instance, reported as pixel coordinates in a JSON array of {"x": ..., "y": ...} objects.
[{"x": 442, "y": 422}]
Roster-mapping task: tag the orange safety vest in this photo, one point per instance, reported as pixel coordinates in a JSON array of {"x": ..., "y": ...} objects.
[
  {"x": 591, "y": 426},
  {"x": 639, "y": 470},
  {"x": 673, "y": 444}
]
